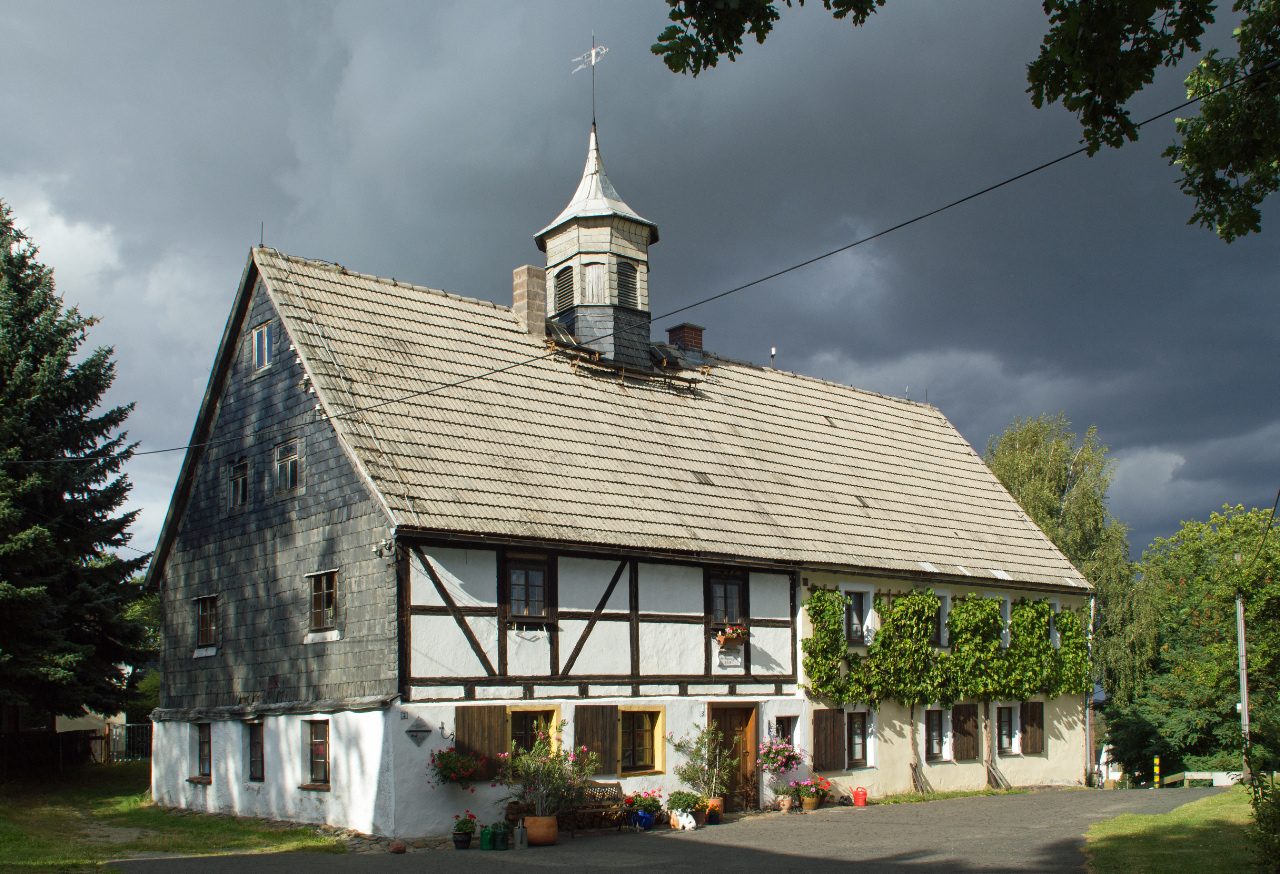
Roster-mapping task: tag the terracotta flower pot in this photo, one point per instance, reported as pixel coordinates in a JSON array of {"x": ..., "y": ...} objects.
[
  {"x": 700, "y": 818},
  {"x": 730, "y": 639},
  {"x": 785, "y": 802},
  {"x": 716, "y": 804},
  {"x": 810, "y": 803},
  {"x": 543, "y": 831}
]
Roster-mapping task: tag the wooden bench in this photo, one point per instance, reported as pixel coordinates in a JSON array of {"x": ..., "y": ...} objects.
[{"x": 599, "y": 798}]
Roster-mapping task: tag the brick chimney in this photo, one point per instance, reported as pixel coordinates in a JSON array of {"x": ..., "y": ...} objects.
[
  {"x": 686, "y": 335},
  {"x": 529, "y": 298}
]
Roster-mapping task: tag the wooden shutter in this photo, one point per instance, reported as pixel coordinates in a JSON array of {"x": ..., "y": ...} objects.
[
  {"x": 482, "y": 731},
  {"x": 964, "y": 731},
  {"x": 595, "y": 726},
  {"x": 828, "y": 740},
  {"x": 1032, "y": 727}
]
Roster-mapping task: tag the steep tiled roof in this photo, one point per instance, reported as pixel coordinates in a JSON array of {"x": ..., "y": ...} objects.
[{"x": 748, "y": 462}]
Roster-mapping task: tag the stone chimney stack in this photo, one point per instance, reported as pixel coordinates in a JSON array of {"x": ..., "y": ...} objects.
[
  {"x": 529, "y": 298},
  {"x": 686, "y": 335}
]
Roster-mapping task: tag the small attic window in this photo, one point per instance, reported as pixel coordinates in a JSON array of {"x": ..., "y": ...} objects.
[
  {"x": 564, "y": 288},
  {"x": 702, "y": 478},
  {"x": 627, "y": 296},
  {"x": 263, "y": 345}
]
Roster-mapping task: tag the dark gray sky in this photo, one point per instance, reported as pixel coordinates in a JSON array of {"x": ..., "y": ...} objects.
[{"x": 142, "y": 144}]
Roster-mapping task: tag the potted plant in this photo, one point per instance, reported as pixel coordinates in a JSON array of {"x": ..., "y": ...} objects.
[
  {"x": 686, "y": 804},
  {"x": 732, "y": 635},
  {"x": 450, "y": 766},
  {"x": 547, "y": 779},
  {"x": 464, "y": 826},
  {"x": 811, "y": 791},
  {"x": 707, "y": 766},
  {"x": 776, "y": 758},
  {"x": 644, "y": 806}
]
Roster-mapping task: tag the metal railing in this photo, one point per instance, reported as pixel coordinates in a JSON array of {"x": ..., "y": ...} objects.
[{"x": 127, "y": 743}]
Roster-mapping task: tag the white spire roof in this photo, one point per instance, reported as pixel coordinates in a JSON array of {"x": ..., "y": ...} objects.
[{"x": 595, "y": 197}]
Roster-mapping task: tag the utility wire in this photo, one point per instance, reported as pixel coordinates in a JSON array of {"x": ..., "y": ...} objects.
[{"x": 889, "y": 230}]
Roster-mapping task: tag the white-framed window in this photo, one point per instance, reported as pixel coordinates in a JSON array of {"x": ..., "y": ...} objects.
[
  {"x": 860, "y": 619},
  {"x": 287, "y": 466},
  {"x": 860, "y": 747},
  {"x": 1008, "y": 728},
  {"x": 935, "y": 732},
  {"x": 264, "y": 347},
  {"x": 939, "y": 636}
]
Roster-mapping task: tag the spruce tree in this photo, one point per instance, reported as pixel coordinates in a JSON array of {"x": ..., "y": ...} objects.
[{"x": 65, "y": 640}]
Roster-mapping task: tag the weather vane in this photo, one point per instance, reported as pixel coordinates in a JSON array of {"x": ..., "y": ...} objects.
[{"x": 590, "y": 59}]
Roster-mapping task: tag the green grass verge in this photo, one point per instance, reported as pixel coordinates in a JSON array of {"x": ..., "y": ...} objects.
[
  {"x": 1205, "y": 836},
  {"x": 918, "y": 797},
  {"x": 77, "y": 822}
]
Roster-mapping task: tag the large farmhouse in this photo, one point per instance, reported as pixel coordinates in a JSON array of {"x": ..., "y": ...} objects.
[{"x": 411, "y": 520}]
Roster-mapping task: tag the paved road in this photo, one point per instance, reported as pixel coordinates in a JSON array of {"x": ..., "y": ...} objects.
[{"x": 1039, "y": 832}]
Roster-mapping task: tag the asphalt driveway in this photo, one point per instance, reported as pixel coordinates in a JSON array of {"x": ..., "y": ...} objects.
[{"x": 1039, "y": 832}]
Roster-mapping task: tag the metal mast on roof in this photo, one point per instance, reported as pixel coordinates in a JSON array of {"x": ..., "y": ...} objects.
[{"x": 590, "y": 59}]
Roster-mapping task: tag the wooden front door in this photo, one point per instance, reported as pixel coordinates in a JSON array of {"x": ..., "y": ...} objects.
[{"x": 738, "y": 725}]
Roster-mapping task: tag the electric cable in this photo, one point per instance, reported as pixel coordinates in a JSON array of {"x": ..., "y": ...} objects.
[{"x": 649, "y": 322}]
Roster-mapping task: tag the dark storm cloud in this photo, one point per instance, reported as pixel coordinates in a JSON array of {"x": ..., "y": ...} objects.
[{"x": 143, "y": 144}]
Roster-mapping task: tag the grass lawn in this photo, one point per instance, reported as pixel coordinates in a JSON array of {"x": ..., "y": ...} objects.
[
  {"x": 77, "y": 822},
  {"x": 1204, "y": 837}
]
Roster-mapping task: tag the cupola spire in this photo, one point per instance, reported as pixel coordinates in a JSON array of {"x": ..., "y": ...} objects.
[{"x": 598, "y": 267}]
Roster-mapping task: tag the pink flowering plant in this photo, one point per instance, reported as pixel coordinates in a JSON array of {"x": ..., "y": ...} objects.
[
  {"x": 778, "y": 757},
  {"x": 450, "y": 766},
  {"x": 814, "y": 787},
  {"x": 547, "y": 778},
  {"x": 645, "y": 801}
]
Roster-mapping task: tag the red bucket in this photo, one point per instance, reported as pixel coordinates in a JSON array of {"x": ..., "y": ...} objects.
[{"x": 859, "y": 797}]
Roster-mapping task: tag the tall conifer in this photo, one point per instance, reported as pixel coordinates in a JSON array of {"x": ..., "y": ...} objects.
[{"x": 65, "y": 641}]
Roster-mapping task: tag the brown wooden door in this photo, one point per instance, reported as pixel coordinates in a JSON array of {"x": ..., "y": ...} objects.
[{"x": 738, "y": 725}]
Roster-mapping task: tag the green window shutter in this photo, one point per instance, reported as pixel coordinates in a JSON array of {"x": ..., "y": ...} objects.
[
  {"x": 595, "y": 726},
  {"x": 828, "y": 728},
  {"x": 482, "y": 731}
]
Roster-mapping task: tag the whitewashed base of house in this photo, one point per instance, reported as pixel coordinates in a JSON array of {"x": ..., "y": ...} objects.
[{"x": 379, "y": 782}]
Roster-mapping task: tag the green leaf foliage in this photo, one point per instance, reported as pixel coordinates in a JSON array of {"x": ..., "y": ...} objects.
[
  {"x": 974, "y": 667},
  {"x": 704, "y": 30},
  {"x": 1030, "y": 662},
  {"x": 65, "y": 638},
  {"x": 901, "y": 664},
  {"x": 1181, "y": 701},
  {"x": 834, "y": 673},
  {"x": 1230, "y": 152}
]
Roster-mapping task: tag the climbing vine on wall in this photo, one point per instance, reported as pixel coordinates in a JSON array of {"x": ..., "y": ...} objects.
[{"x": 903, "y": 666}]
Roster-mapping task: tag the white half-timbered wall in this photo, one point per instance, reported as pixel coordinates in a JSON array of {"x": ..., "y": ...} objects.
[{"x": 614, "y": 625}]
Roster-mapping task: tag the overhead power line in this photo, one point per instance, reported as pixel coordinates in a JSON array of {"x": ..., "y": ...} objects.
[{"x": 706, "y": 300}]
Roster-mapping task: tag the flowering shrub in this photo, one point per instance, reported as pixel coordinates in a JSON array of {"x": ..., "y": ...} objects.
[
  {"x": 814, "y": 787},
  {"x": 464, "y": 824},
  {"x": 686, "y": 802},
  {"x": 779, "y": 757},
  {"x": 645, "y": 801},
  {"x": 547, "y": 778},
  {"x": 451, "y": 766}
]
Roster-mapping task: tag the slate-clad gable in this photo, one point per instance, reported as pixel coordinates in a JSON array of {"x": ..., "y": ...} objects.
[{"x": 255, "y": 558}]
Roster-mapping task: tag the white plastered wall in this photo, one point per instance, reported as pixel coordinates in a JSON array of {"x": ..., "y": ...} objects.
[{"x": 360, "y": 792}]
